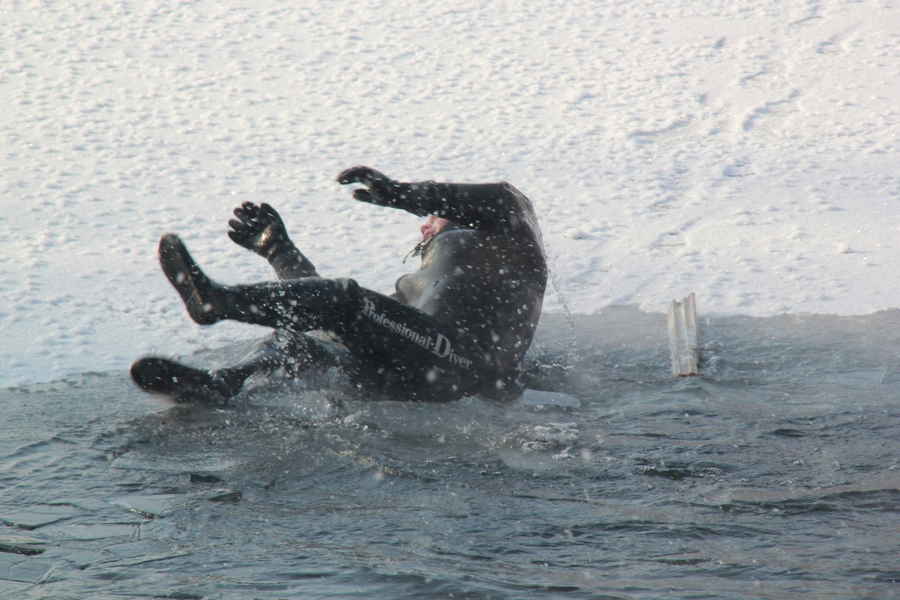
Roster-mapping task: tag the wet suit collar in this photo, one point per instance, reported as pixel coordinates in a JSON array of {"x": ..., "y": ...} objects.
[{"x": 420, "y": 248}]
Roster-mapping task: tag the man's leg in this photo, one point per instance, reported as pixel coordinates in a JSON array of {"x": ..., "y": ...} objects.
[
  {"x": 399, "y": 347},
  {"x": 296, "y": 354},
  {"x": 296, "y": 305},
  {"x": 182, "y": 383}
]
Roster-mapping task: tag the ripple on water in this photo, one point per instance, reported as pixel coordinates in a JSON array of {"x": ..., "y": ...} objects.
[{"x": 773, "y": 475}]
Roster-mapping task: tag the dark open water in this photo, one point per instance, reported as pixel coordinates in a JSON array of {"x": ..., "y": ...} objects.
[{"x": 776, "y": 475}]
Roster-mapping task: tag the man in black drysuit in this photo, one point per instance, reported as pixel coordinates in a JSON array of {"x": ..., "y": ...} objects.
[{"x": 459, "y": 325}]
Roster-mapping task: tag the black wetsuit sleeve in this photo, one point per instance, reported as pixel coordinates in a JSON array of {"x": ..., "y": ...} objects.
[
  {"x": 485, "y": 206},
  {"x": 289, "y": 263},
  {"x": 261, "y": 230},
  {"x": 489, "y": 206}
]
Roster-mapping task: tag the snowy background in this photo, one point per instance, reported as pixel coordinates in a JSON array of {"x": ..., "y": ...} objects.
[{"x": 745, "y": 150}]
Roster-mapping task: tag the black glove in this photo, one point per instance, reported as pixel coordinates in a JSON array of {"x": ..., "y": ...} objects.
[
  {"x": 258, "y": 228},
  {"x": 382, "y": 190}
]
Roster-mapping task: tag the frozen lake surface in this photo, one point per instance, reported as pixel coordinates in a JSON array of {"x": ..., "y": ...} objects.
[{"x": 774, "y": 475}]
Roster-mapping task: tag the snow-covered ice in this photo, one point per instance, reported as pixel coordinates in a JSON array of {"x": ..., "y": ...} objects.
[{"x": 747, "y": 151}]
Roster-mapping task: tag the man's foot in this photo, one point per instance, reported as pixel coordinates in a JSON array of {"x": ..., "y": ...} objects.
[
  {"x": 180, "y": 382},
  {"x": 196, "y": 289}
]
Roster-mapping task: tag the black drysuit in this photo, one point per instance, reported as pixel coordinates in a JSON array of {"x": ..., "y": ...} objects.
[{"x": 459, "y": 325}]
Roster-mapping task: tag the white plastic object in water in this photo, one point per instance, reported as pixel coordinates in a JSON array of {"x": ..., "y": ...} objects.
[{"x": 683, "y": 337}]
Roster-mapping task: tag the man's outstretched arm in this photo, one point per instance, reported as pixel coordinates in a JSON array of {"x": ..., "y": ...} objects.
[
  {"x": 489, "y": 206},
  {"x": 260, "y": 229}
]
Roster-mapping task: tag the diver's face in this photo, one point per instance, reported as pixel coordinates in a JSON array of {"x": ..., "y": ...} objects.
[{"x": 433, "y": 226}]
